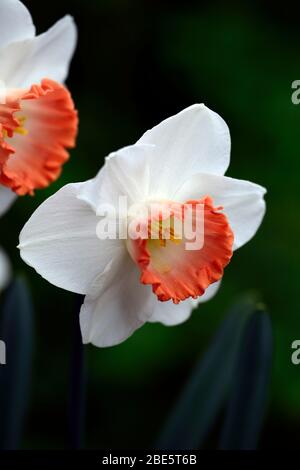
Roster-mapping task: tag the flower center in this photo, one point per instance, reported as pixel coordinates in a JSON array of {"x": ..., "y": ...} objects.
[
  {"x": 21, "y": 129},
  {"x": 161, "y": 231},
  {"x": 183, "y": 252}
]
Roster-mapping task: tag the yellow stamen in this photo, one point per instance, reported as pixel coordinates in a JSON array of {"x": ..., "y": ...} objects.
[
  {"x": 21, "y": 129},
  {"x": 163, "y": 230}
]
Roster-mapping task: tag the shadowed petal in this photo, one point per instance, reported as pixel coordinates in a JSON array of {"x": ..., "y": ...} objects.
[
  {"x": 116, "y": 305},
  {"x": 7, "y": 198}
]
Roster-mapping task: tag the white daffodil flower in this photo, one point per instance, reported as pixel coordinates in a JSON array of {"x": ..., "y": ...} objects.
[
  {"x": 5, "y": 270},
  {"x": 37, "y": 117},
  {"x": 132, "y": 279}
]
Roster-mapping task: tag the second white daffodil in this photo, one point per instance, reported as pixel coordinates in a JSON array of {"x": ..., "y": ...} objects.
[{"x": 38, "y": 121}]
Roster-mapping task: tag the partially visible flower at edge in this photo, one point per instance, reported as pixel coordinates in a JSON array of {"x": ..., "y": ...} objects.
[
  {"x": 5, "y": 270},
  {"x": 38, "y": 121},
  {"x": 128, "y": 283}
]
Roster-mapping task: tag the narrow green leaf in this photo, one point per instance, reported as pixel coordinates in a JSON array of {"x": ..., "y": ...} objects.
[
  {"x": 16, "y": 332},
  {"x": 204, "y": 395},
  {"x": 246, "y": 407}
]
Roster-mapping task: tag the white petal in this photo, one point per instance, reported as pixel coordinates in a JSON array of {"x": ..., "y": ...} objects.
[
  {"x": 15, "y": 22},
  {"x": 117, "y": 305},
  {"x": 59, "y": 241},
  {"x": 5, "y": 270},
  {"x": 128, "y": 170},
  {"x": 45, "y": 56},
  {"x": 7, "y": 197},
  {"x": 195, "y": 140},
  {"x": 90, "y": 192},
  {"x": 208, "y": 294},
  {"x": 126, "y": 173},
  {"x": 243, "y": 202},
  {"x": 170, "y": 314}
]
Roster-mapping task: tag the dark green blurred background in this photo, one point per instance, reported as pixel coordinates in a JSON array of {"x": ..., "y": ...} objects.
[{"x": 138, "y": 62}]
